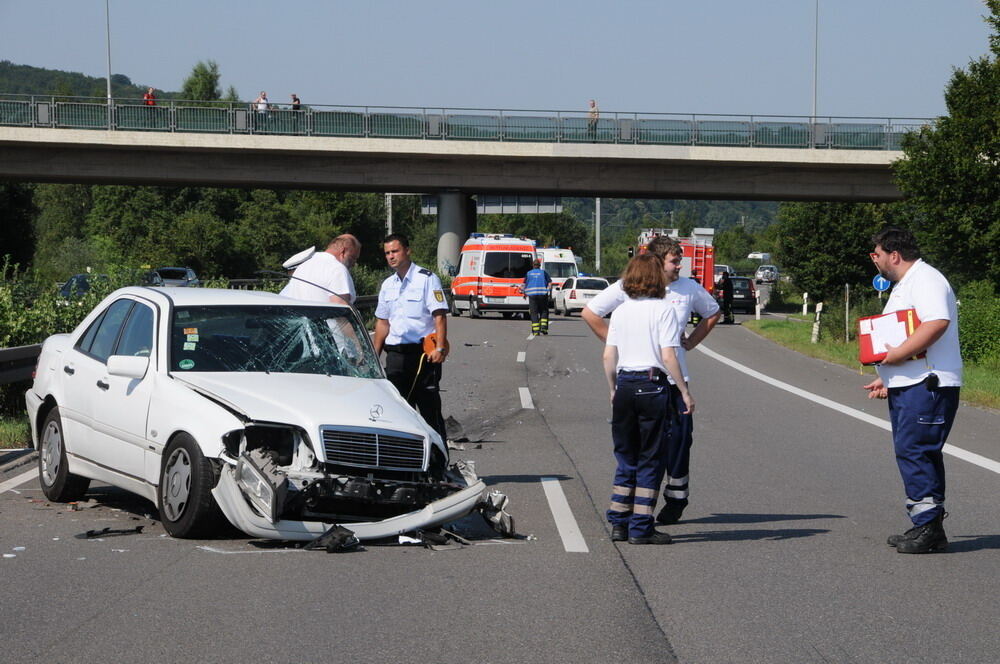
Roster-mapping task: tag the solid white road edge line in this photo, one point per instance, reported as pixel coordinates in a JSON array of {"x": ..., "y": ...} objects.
[
  {"x": 525, "y": 397},
  {"x": 18, "y": 480},
  {"x": 566, "y": 524},
  {"x": 520, "y": 356},
  {"x": 971, "y": 457}
]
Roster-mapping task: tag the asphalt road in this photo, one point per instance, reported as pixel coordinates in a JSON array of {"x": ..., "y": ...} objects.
[{"x": 781, "y": 556}]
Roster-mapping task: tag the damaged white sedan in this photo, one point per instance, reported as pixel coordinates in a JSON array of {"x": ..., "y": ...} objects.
[{"x": 274, "y": 411}]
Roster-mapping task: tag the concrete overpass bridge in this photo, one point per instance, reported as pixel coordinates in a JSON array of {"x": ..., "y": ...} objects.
[{"x": 451, "y": 152}]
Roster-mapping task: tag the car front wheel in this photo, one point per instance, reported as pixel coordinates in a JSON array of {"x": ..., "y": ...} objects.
[
  {"x": 58, "y": 484},
  {"x": 187, "y": 508}
]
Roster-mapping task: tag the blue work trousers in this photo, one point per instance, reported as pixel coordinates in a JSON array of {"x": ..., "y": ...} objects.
[
  {"x": 679, "y": 432},
  {"x": 640, "y": 412},
  {"x": 922, "y": 416}
]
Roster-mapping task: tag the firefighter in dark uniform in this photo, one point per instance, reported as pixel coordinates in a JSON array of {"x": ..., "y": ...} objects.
[
  {"x": 411, "y": 306},
  {"x": 536, "y": 288}
]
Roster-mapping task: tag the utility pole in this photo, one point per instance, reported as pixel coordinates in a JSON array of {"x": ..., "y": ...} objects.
[
  {"x": 388, "y": 214},
  {"x": 107, "y": 22},
  {"x": 597, "y": 234}
]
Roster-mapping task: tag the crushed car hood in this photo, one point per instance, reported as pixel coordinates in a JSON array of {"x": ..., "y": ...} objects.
[{"x": 309, "y": 400}]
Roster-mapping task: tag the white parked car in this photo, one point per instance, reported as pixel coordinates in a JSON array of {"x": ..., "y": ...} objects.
[
  {"x": 274, "y": 411},
  {"x": 576, "y": 292}
]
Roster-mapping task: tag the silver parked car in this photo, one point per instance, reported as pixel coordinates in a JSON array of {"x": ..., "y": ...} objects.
[
  {"x": 766, "y": 274},
  {"x": 178, "y": 276}
]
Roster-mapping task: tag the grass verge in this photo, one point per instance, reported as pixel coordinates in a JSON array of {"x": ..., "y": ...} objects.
[
  {"x": 981, "y": 381},
  {"x": 14, "y": 433}
]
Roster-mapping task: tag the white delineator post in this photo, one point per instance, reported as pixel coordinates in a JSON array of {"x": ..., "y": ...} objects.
[
  {"x": 805, "y": 304},
  {"x": 815, "y": 332}
]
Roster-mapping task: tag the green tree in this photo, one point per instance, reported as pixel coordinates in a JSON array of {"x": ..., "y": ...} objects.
[
  {"x": 17, "y": 238},
  {"x": 202, "y": 84},
  {"x": 951, "y": 171},
  {"x": 823, "y": 246},
  {"x": 62, "y": 209}
]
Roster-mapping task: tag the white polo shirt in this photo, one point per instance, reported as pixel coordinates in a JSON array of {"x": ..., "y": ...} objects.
[
  {"x": 639, "y": 329},
  {"x": 322, "y": 269},
  {"x": 409, "y": 304},
  {"x": 684, "y": 296},
  {"x": 925, "y": 289}
]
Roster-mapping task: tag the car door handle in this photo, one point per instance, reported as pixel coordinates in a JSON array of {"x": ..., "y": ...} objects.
[
  {"x": 70, "y": 370},
  {"x": 101, "y": 384}
]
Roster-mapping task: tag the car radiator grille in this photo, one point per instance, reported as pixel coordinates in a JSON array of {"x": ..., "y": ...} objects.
[{"x": 373, "y": 448}]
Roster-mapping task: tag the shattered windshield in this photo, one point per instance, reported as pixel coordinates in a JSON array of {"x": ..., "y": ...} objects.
[{"x": 281, "y": 339}]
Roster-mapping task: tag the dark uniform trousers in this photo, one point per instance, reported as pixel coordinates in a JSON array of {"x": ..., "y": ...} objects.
[
  {"x": 640, "y": 412},
  {"x": 422, "y": 392},
  {"x": 680, "y": 436},
  {"x": 538, "y": 308},
  {"x": 921, "y": 417}
]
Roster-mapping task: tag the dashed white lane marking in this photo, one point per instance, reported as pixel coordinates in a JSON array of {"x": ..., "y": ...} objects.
[
  {"x": 566, "y": 524},
  {"x": 520, "y": 356},
  {"x": 525, "y": 397},
  {"x": 971, "y": 457},
  {"x": 18, "y": 480}
]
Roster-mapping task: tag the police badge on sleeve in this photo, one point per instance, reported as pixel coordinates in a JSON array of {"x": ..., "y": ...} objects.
[{"x": 439, "y": 295}]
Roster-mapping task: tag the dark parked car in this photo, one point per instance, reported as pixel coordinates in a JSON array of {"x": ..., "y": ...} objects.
[
  {"x": 178, "y": 276},
  {"x": 79, "y": 284},
  {"x": 744, "y": 295}
]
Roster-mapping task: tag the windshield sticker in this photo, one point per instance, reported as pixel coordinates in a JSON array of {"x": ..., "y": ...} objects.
[
  {"x": 189, "y": 330},
  {"x": 183, "y": 315},
  {"x": 189, "y": 345},
  {"x": 192, "y": 337},
  {"x": 186, "y": 364}
]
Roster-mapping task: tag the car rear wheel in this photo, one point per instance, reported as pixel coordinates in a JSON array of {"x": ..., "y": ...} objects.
[
  {"x": 187, "y": 508},
  {"x": 455, "y": 311},
  {"x": 474, "y": 308},
  {"x": 58, "y": 484}
]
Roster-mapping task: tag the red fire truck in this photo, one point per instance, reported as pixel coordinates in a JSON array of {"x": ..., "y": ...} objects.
[{"x": 699, "y": 255}]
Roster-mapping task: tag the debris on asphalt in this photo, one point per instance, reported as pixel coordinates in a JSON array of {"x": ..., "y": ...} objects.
[
  {"x": 494, "y": 510},
  {"x": 336, "y": 540},
  {"x": 110, "y": 532}
]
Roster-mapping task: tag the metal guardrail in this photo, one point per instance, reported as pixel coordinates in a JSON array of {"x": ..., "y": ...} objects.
[{"x": 459, "y": 124}]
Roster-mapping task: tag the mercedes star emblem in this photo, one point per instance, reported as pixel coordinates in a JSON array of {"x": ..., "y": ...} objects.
[{"x": 375, "y": 412}]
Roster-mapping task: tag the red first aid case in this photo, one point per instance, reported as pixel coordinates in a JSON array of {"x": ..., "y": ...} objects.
[{"x": 874, "y": 332}]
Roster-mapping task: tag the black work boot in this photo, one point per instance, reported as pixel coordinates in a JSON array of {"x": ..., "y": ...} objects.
[
  {"x": 928, "y": 538},
  {"x": 653, "y": 538},
  {"x": 671, "y": 512},
  {"x": 619, "y": 533},
  {"x": 909, "y": 534}
]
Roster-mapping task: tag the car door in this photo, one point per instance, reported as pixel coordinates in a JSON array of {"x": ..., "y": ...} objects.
[{"x": 121, "y": 407}]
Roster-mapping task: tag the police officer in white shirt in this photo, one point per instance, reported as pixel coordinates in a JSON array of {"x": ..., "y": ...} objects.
[
  {"x": 922, "y": 391},
  {"x": 684, "y": 296},
  {"x": 325, "y": 276},
  {"x": 411, "y": 306}
]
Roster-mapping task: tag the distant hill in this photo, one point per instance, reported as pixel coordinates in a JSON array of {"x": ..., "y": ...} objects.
[{"x": 28, "y": 80}]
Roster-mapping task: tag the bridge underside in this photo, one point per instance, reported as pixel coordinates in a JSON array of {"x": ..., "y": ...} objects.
[{"x": 677, "y": 172}]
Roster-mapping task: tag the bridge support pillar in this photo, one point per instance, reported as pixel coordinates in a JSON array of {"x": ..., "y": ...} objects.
[{"x": 456, "y": 219}]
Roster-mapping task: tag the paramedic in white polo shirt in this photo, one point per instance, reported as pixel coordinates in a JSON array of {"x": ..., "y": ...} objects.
[
  {"x": 684, "y": 296},
  {"x": 922, "y": 392},
  {"x": 326, "y": 276},
  {"x": 641, "y": 352}
]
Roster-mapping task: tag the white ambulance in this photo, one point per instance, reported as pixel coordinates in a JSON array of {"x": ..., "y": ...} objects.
[
  {"x": 560, "y": 264},
  {"x": 491, "y": 272}
]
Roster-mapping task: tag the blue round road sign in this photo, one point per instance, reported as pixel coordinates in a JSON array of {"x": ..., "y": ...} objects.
[{"x": 880, "y": 283}]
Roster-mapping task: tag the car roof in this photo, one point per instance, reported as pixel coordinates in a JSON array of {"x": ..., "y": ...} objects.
[{"x": 200, "y": 297}]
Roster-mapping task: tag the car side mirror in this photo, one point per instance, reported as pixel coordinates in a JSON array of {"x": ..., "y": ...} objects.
[{"x": 128, "y": 366}]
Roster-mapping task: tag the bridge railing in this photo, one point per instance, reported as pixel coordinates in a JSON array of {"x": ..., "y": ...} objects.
[{"x": 459, "y": 124}]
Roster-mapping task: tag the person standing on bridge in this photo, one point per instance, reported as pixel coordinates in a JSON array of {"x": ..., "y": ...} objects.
[
  {"x": 640, "y": 353},
  {"x": 687, "y": 297},
  {"x": 326, "y": 275},
  {"x": 412, "y": 311},
  {"x": 921, "y": 378},
  {"x": 536, "y": 289},
  {"x": 593, "y": 115}
]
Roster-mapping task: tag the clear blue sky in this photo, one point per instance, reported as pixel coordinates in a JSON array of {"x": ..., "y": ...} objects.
[{"x": 881, "y": 58}]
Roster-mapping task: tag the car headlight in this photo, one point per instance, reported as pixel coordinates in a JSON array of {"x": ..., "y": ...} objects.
[{"x": 260, "y": 489}]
